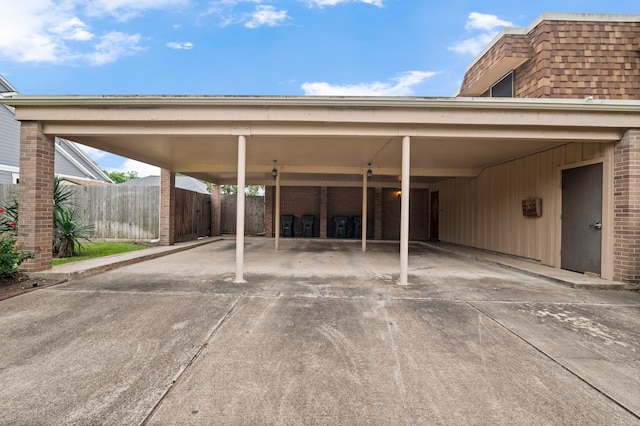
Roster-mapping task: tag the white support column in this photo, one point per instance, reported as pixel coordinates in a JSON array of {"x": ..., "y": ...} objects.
[
  {"x": 277, "y": 224},
  {"x": 364, "y": 211},
  {"x": 404, "y": 210},
  {"x": 242, "y": 160}
]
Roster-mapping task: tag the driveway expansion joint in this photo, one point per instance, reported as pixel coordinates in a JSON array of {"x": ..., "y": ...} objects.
[
  {"x": 202, "y": 347},
  {"x": 555, "y": 361}
]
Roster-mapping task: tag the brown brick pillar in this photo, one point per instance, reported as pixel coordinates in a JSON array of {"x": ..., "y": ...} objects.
[
  {"x": 377, "y": 230},
  {"x": 167, "y": 207},
  {"x": 323, "y": 212},
  {"x": 35, "y": 198},
  {"x": 626, "y": 210},
  {"x": 215, "y": 210},
  {"x": 269, "y": 199}
]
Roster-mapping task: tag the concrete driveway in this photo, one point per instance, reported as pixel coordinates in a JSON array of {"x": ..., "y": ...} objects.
[{"x": 320, "y": 334}]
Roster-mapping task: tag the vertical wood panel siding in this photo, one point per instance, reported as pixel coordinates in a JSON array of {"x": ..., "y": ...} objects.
[{"x": 485, "y": 211}]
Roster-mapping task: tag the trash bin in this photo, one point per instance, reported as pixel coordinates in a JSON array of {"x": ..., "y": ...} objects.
[
  {"x": 286, "y": 225},
  {"x": 357, "y": 226},
  {"x": 340, "y": 226},
  {"x": 307, "y": 225}
]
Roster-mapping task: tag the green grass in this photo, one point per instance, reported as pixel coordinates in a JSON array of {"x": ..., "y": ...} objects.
[{"x": 96, "y": 249}]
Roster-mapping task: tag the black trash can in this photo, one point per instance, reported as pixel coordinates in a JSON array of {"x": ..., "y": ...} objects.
[
  {"x": 340, "y": 226},
  {"x": 307, "y": 225},
  {"x": 357, "y": 226},
  {"x": 286, "y": 225}
]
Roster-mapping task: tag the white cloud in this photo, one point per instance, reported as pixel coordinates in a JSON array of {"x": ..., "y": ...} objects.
[
  {"x": 180, "y": 46},
  {"x": 488, "y": 25},
  {"x": 323, "y": 3},
  {"x": 114, "y": 45},
  {"x": 473, "y": 45},
  {"x": 57, "y": 31},
  {"x": 94, "y": 153},
  {"x": 402, "y": 85},
  {"x": 127, "y": 9},
  {"x": 72, "y": 29},
  {"x": 143, "y": 169},
  {"x": 484, "y": 22},
  {"x": 266, "y": 15}
]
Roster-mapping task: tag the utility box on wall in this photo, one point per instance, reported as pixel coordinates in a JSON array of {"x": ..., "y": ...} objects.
[{"x": 532, "y": 207}]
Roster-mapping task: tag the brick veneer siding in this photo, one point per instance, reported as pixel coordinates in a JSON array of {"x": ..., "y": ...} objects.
[
  {"x": 167, "y": 207},
  {"x": 418, "y": 214},
  {"x": 296, "y": 201},
  {"x": 323, "y": 203},
  {"x": 572, "y": 59},
  {"x": 215, "y": 210},
  {"x": 37, "y": 156},
  {"x": 348, "y": 202},
  {"x": 626, "y": 228},
  {"x": 510, "y": 45}
]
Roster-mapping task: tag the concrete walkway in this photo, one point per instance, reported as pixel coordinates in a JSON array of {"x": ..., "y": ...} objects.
[{"x": 319, "y": 334}]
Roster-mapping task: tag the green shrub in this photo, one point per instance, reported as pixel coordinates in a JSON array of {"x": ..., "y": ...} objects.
[
  {"x": 9, "y": 218},
  {"x": 68, "y": 232},
  {"x": 10, "y": 257}
]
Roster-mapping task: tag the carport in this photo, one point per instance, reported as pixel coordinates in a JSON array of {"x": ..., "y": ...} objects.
[{"x": 404, "y": 142}]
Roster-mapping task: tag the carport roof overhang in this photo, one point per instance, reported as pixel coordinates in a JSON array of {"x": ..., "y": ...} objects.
[{"x": 325, "y": 140}]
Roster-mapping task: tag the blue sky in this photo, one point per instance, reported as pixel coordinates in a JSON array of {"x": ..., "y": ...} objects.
[{"x": 256, "y": 47}]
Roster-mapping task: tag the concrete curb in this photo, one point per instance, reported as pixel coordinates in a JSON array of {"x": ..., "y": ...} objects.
[
  {"x": 75, "y": 270},
  {"x": 579, "y": 282}
]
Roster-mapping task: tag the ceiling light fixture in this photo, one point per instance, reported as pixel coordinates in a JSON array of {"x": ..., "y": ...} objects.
[{"x": 274, "y": 172}]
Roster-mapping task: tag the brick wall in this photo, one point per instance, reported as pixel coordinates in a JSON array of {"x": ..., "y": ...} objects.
[
  {"x": 37, "y": 154},
  {"x": 297, "y": 201},
  {"x": 580, "y": 59},
  {"x": 348, "y": 202},
  {"x": 167, "y": 207},
  {"x": 418, "y": 214},
  {"x": 626, "y": 218},
  {"x": 510, "y": 45},
  {"x": 571, "y": 59},
  {"x": 300, "y": 201},
  {"x": 215, "y": 210}
]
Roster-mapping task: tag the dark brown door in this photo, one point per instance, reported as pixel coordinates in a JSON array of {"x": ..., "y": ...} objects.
[
  {"x": 582, "y": 219},
  {"x": 434, "y": 215}
]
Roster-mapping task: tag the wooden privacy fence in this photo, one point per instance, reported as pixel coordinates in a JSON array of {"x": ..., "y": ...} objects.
[
  {"x": 253, "y": 217},
  {"x": 132, "y": 212}
]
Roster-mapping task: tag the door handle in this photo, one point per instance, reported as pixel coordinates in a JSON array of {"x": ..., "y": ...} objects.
[{"x": 597, "y": 225}]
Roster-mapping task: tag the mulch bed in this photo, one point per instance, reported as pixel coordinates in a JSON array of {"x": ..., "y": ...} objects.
[{"x": 11, "y": 287}]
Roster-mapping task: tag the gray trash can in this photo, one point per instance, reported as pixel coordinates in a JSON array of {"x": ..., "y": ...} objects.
[
  {"x": 357, "y": 227},
  {"x": 286, "y": 225},
  {"x": 340, "y": 226},
  {"x": 307, "y": 225}
]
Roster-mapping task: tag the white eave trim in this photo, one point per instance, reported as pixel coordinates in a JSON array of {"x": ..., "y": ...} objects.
[{"x": 33, "y": 103}]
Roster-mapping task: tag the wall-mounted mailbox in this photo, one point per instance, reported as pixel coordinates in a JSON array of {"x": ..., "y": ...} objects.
[{"x": 532, "y": 207}]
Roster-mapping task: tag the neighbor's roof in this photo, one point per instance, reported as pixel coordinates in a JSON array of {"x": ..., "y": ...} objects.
[{"x": 183, "y": 182}]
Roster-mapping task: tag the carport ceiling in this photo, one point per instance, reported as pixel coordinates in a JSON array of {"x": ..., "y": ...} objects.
[{"x": 318, "y": 139}]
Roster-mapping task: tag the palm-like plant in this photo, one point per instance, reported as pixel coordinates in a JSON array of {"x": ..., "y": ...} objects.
[{"x": 68, "y": 232}]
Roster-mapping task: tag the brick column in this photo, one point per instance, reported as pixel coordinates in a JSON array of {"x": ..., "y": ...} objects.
[
  {"x": 167, "y": 207},
  {"x": 215, "y": 210},
  {"x": 377, "y": 218},
  {"x": 626, "y": 210},
  {"x": 269, "y": 196},
  {"x": 323, "y": 212},
  {"x": 35, "y": 198}
]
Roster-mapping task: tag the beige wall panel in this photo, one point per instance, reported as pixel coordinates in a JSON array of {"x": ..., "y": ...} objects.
[{"x": 486, "y": 211}]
